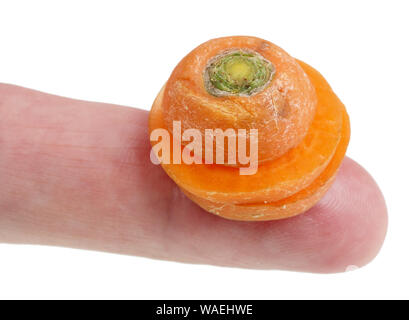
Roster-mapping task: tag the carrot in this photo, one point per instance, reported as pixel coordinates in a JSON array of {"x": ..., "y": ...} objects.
[{"x": 247, "y": 83}]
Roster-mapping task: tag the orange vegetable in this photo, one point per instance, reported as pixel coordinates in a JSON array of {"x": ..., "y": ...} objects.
[{"x": 249, "y": 83}]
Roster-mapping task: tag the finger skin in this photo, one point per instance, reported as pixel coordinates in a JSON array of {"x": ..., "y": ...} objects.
[{"x": 78, "y": 174}]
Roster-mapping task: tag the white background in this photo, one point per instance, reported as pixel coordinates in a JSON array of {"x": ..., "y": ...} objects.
[{"x": 123, "y": 51}]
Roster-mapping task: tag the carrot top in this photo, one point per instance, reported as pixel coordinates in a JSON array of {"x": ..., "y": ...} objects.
[{"x": 237, "y": 72}]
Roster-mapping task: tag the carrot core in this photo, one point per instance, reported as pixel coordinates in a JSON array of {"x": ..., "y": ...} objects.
[{"x": 238, "y": 72}]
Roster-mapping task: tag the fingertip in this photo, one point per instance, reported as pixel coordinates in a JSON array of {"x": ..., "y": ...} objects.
[{"x": 350, "y": 221}]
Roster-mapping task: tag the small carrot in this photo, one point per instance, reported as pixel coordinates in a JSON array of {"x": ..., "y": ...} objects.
[{"x": 248, "y": 83}]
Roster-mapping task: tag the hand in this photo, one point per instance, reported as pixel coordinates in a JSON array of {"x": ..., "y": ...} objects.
[{"x": 78, "y": 174}]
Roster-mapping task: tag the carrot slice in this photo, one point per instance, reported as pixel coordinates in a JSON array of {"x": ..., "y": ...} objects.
[{"x": 281, "y": 111}]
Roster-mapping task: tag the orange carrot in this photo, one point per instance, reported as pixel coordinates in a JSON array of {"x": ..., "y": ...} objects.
[{"x": 249, "y": 83}]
